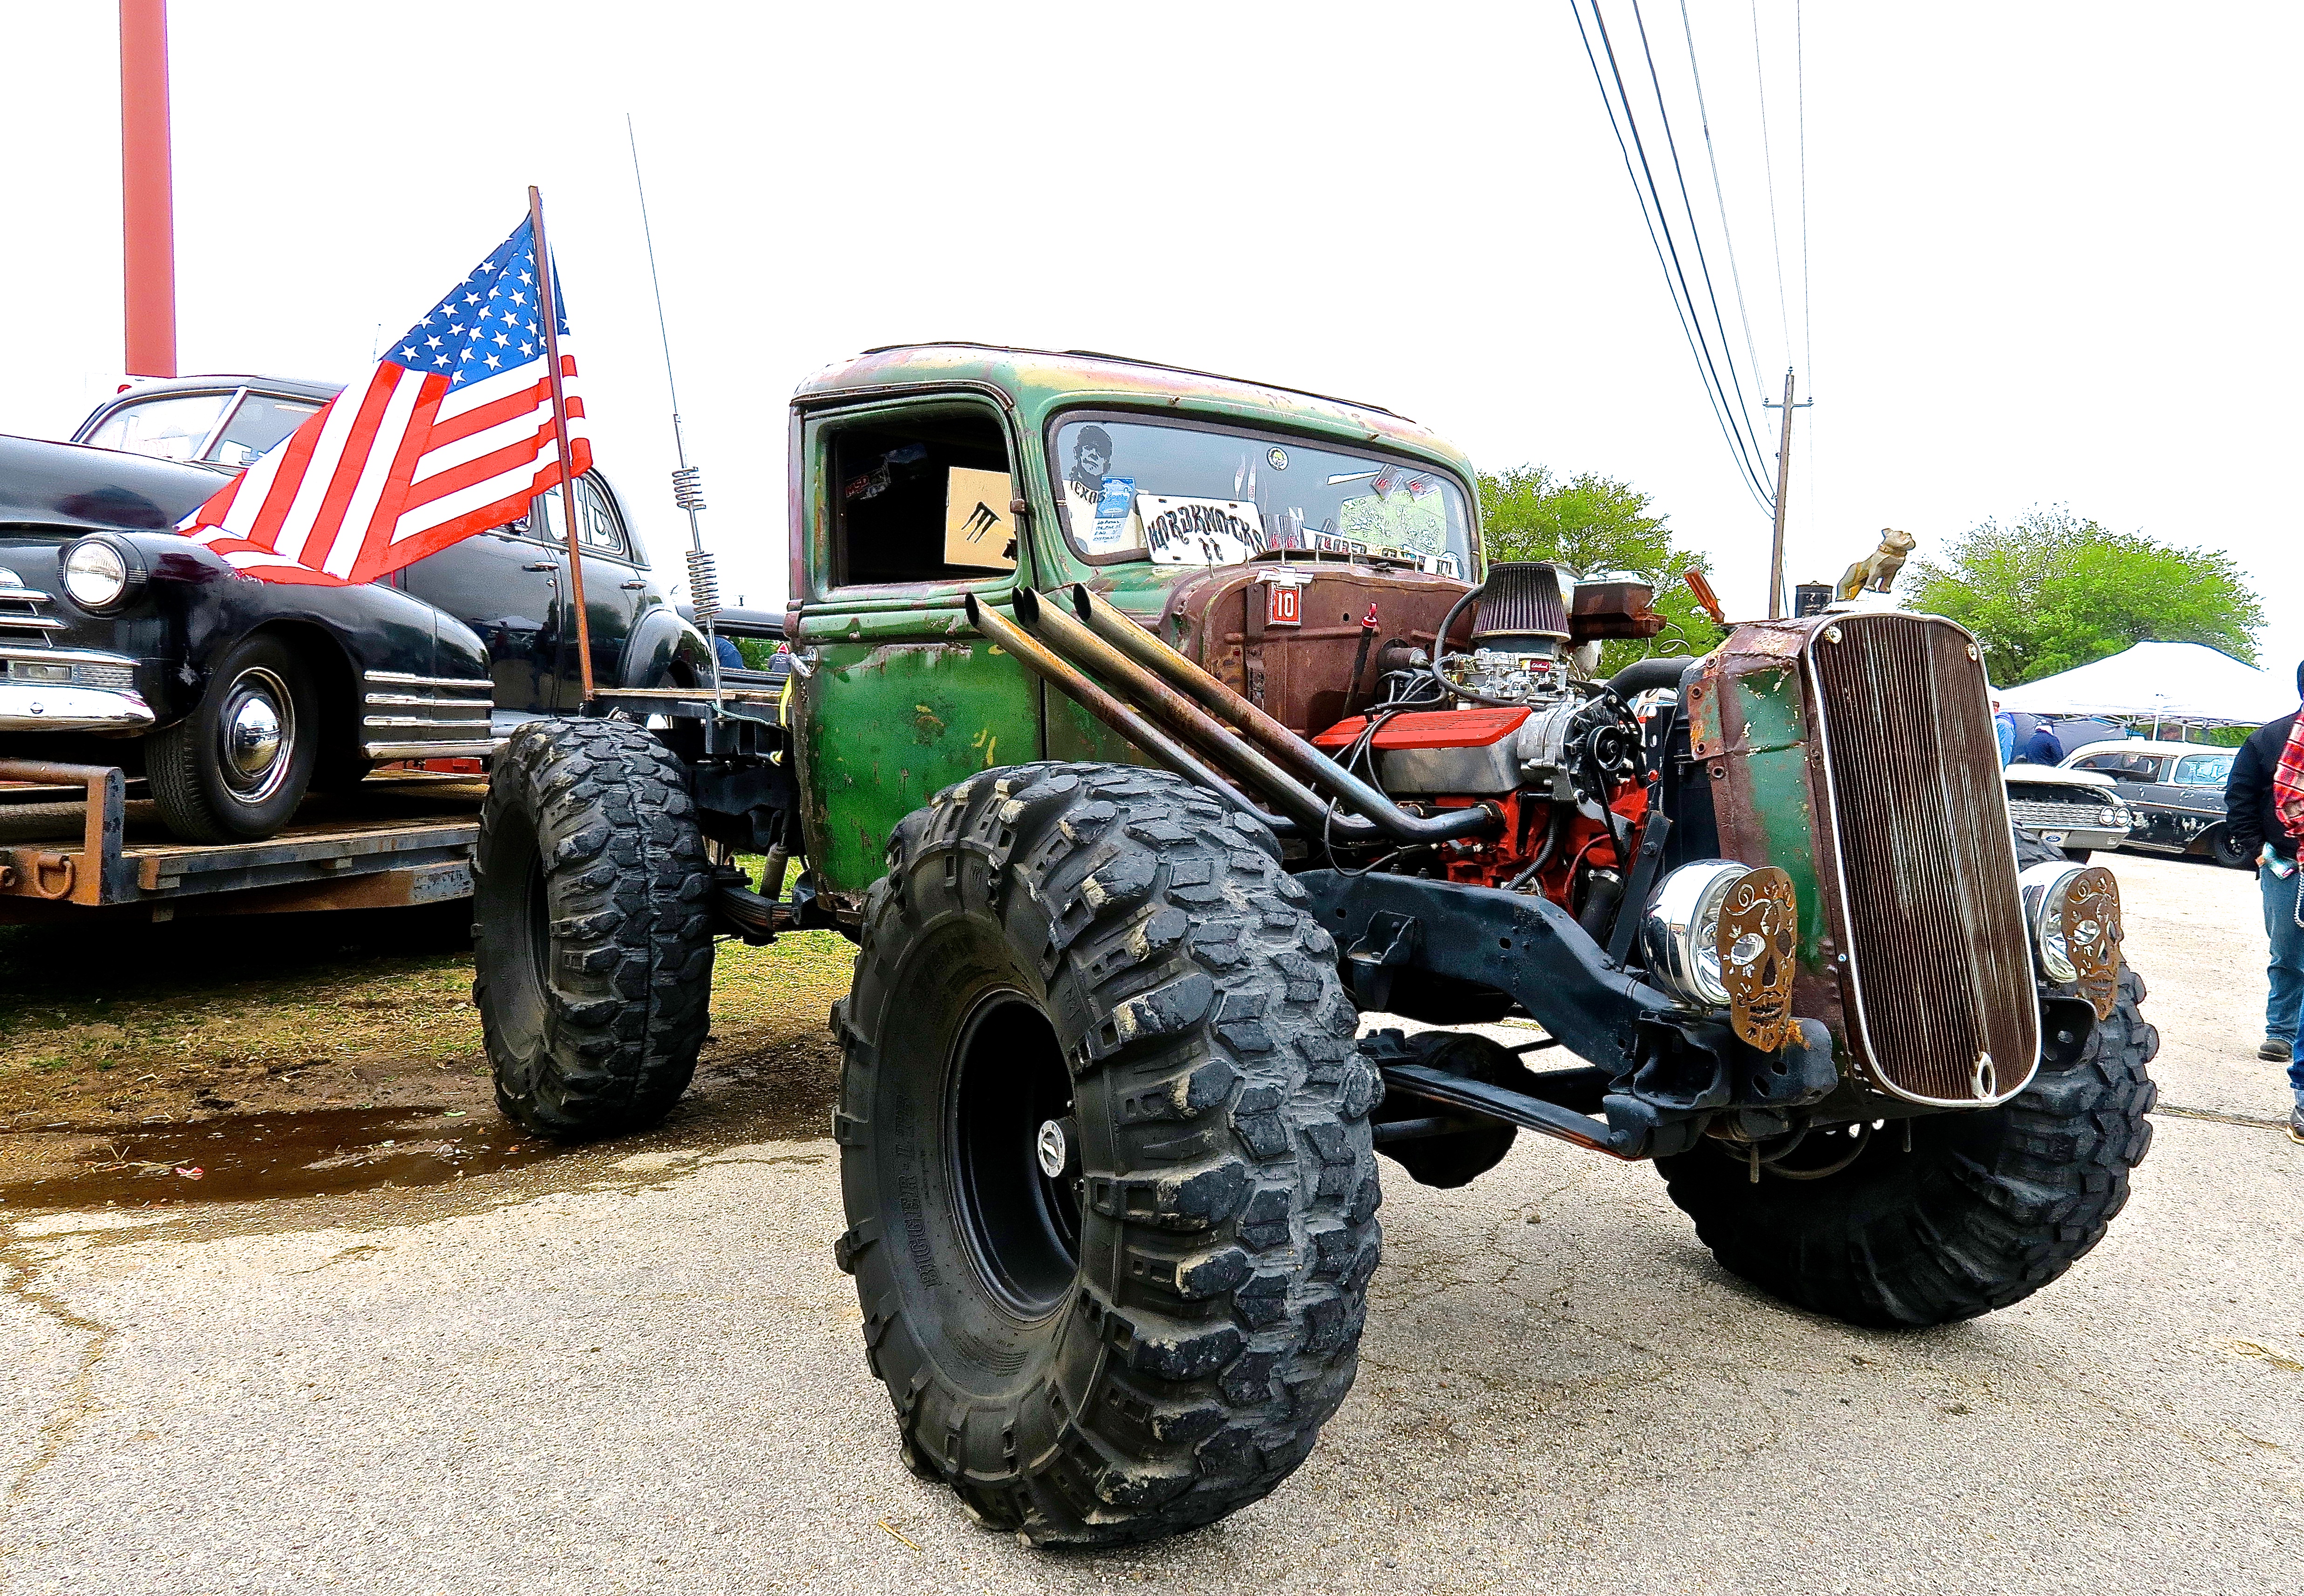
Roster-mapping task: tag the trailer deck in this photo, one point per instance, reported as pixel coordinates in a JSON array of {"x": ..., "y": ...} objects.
[{"x": 73, "y": 840}]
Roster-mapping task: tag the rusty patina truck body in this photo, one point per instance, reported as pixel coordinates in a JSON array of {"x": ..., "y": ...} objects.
[{"x": 1168, "y": 748}]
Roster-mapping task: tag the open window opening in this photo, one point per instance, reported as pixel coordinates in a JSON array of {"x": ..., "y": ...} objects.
[{"x": 923, "y": 499}]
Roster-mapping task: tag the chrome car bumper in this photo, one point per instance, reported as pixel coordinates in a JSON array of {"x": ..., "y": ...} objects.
[
  {"x": 2078, "y": 836},
  {"x": 70, "y": 689}
]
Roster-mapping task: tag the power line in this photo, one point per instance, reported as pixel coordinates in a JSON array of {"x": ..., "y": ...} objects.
[
  {"x": 1720, "y": 197},
  {"x": 1768, "y": 166},
  {"x": 1741, "y": 441},
  {"x": 1800, "y": 92},
  {"x": 1695, "y": 232},
  {"x": 1650, "y": 220}
]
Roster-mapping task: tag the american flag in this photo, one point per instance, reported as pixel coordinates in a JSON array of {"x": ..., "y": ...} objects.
[{"x": 450, "y": 435}]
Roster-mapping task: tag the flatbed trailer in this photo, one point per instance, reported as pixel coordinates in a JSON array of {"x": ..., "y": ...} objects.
[{"x": 395, "y": 841}]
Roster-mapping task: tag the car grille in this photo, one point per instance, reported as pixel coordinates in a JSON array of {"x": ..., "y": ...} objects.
[
  {"x": 24, "y": 617},
  {"x": 1932, "y": 923},
  {"x": 2059, "y": 814},
  {"x": 79, "y": 673}
]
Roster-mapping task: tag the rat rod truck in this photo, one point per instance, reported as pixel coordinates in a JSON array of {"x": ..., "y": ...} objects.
[{"x": 1147, "y": 730}]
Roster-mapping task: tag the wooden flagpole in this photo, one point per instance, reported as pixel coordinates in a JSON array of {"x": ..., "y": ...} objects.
[{"x": 548, "y": 301}]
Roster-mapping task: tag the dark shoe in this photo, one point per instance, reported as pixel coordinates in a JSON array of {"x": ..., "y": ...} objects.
[
  {"x": 2277, "y": 1050},
  {"x": 2296, "y": 1125}
]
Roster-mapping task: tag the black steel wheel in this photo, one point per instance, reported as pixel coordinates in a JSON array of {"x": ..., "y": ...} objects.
[
  {"x": 2227, "y": 849},
  {"x": 592, "y": 947},
  {"x": 1104, "y": 1153},
  {"x": 236, "y": 767}
]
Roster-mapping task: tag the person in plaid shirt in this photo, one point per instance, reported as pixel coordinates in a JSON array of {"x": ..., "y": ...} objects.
[{"x": 2263, "y": 806}]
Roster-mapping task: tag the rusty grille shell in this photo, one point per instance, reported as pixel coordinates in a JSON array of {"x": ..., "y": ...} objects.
[{"x": 1921, "y": 866}]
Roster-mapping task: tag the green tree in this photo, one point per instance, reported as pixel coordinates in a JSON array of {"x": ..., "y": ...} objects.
[
  {"x": 2053, "y": 592},
  {"x": 1592, "y": 524}
]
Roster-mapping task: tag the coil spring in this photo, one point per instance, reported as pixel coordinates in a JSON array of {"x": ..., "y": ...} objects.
[
  {"x": 688, "y": 487},
  {"x": 703, "y": 585}
]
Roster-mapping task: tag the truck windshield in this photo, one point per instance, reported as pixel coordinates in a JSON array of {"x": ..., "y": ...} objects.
[{"x": 1201, "y": 495}]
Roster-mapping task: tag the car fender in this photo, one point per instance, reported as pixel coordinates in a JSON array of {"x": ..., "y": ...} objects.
[
  {"x": 210, "y": 607},
  {"x": 660, "y": 641}
]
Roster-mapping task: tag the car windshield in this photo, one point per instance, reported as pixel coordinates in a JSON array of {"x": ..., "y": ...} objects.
[
  {"x": 175, "y": 427},
  {"x": 170, "y": 428},
  {"x": 1197, "y": 495},
  {"x": 2203, "y": 770},
  {"x": 260, "y": 422}
]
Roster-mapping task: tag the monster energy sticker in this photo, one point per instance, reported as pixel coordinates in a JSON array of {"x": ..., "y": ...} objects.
[
  {"x": 976, "y": 528},
  {"x": 1200, "y": 531}
]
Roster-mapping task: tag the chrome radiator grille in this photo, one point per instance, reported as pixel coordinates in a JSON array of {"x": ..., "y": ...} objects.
[
  {"x": 2056, "y": 813},
  {"x": 1944, "y": 1009}
]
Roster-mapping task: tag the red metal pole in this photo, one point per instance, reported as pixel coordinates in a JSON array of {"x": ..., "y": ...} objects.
[
  {"x": 548, "y": 302},
  {"x": 146, "y": 191}
]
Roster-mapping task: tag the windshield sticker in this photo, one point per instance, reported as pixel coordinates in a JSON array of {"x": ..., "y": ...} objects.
[
  {"x": 976, "y": 528},
  {"x": 1115, "y": 526},
  {"x": 1397, "y": 515},
  {"x": 1277, "y": 458},
  {"x": 1200, "y": 531}
]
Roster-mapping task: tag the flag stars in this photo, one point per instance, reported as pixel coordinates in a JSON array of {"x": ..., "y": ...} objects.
[{"x": 494, "y": 361}]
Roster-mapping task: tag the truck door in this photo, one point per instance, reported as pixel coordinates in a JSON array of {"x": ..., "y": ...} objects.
[{"x": 906, "y": 509}]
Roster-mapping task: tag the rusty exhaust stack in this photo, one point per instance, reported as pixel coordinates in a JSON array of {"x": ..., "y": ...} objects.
[
  {"x": 1076, "y": 640},
  {"x": 1305, "y": 763},
  {"x": 1036, "y": 657}
]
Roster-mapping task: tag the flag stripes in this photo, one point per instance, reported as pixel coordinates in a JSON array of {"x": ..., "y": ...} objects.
[{"x": 442, "y": 440}]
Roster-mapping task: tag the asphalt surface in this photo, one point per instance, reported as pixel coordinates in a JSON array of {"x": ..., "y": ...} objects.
[{"x": 637, "y": 1370}]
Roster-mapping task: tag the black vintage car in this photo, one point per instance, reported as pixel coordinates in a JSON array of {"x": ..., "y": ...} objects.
[
  {"x": 2177, "y": 791},
  {"x": 122, "y": 643}
]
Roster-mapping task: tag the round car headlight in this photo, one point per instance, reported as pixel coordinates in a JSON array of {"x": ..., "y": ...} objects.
[
  {"x": 101, "y": 573},
  {"x": 2107, "y": 816},
  {"x": 1679, "y": 930},
  {"x": 2058, "y": 934}
]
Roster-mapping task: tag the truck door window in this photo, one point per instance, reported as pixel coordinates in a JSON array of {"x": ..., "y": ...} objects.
[{"x": 923, "y": 499}]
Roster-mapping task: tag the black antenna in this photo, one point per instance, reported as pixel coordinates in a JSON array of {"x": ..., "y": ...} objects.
[{"x": 686, "y": 488}]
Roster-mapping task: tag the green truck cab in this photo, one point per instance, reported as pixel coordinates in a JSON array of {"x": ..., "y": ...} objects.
[{"x": 1169, "y": 750}]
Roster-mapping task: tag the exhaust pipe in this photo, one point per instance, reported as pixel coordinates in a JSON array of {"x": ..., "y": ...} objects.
[
  {"x": 1037, "y": 658},
  {"x": 1156, "y": 664},
  {"x": 1075, "y": 646}
]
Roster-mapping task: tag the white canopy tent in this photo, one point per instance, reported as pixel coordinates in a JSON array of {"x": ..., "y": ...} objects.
[{"x": 2185, "y": 683}]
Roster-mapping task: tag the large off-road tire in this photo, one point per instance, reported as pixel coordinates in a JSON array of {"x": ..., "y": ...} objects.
[
  {"x": 1987, "y": 1207},
  {"x": 236, "y": 767},
  {"x": 592, "y": 938},
  {"x": 1152, "y": 1335}
]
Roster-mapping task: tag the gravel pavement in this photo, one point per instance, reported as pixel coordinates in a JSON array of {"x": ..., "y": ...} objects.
[{"x": 635, "y": 1369}]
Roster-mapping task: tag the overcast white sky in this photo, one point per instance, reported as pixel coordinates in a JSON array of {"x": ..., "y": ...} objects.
[{"x": 2051, "y": 247}]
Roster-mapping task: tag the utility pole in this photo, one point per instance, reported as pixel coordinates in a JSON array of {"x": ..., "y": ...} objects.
[
  {"x": 1783, "y": 486},
  {"x": 147, "y": 202}
]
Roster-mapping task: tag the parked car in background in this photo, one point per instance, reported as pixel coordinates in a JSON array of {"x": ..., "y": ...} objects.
[
  {"x": 2177, "y": 791},
  {"x": 2076, "y": 811},
  {"x": 123, "y": 642}
]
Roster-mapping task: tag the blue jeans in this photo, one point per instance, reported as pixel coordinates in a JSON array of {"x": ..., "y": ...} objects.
[{"x": 2285, "y": 1008}]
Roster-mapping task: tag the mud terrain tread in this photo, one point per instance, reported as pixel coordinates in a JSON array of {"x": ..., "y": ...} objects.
[
  {"x": 1988, "y": 1207},
  {"x": 626, "y": 1003},
  {"x": 1195, "y": 994}
]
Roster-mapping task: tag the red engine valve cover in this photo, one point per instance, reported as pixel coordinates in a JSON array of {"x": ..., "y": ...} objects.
[{"x": 1430, "y": 728}]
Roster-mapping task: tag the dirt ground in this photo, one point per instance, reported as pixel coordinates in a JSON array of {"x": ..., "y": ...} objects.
[{"x": 306, "y": 1034}]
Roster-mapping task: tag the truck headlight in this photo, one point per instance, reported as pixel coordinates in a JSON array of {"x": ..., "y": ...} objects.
[
  {"x": 2074, "y": 914},
  {"x": 101, "y": 573},
  {"x": 1680, "y": 932}
]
